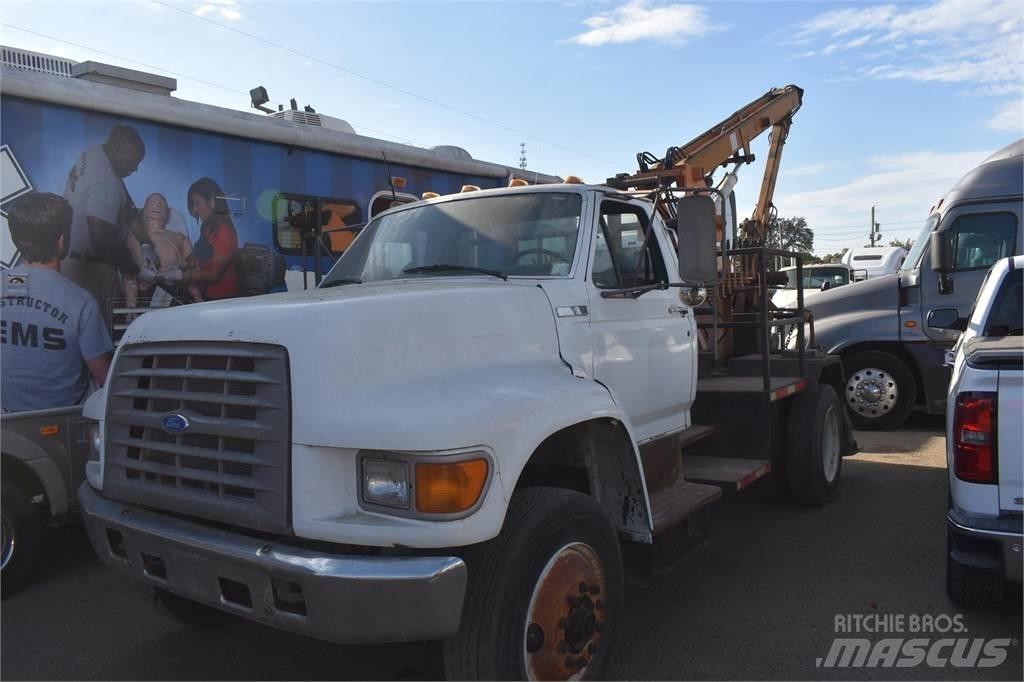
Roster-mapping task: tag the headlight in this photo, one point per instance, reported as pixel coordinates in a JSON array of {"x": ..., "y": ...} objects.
[
  {"x": 693, "y": 296},
  {"x": 386, "y": 482},
  {"x": 94, "y": 432}
]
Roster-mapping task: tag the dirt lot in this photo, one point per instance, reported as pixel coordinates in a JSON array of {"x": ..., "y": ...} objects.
[{"x": 759, "y": 602}]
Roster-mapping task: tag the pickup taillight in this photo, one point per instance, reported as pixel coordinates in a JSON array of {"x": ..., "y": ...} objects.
[{"x": 974, "y": 434}]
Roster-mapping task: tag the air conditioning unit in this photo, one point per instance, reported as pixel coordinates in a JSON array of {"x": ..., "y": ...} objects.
[
  {"x": 36, "y": 61},
  {"x": 316, "y": 120}
]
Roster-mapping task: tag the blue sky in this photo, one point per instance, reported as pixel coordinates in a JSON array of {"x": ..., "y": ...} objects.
[{"x": 900, "y": 98}]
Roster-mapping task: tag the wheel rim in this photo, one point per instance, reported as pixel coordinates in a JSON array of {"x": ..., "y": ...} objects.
[
  {"x": 8, "y": 542},
  {"x": 564, "y": 622},
  {"x": 830, "y": 445},
  {"x": 872, "y": 392}
]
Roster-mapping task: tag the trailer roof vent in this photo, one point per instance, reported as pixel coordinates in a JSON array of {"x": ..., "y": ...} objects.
[
  {"x": 316, "y": 120},
  {"x": 121, "y": 77},
  {"x": 452, "y": 152},
  {"x": 36, "y": 61}
]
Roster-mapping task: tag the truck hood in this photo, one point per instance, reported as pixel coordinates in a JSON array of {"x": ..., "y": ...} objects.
[
  {"x": 879, "y": 293},
  {"x": 368, "y": 343}
]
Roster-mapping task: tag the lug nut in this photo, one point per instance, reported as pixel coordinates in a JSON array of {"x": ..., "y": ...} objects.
[
  {"x": 595, "y": 589},
  {"x": 572, "y": 599},
  {"x": 584, "y": 588},
  {"x": 562, "y": 647}
]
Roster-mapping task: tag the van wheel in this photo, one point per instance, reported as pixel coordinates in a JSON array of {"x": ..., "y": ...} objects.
[
  {"x": 969, "y": 586},
  {"x": 21, "y": 537},
  {"x": 545, "y": 597},
  {"x": 880, "y": 390},
  {"x": 813, "y": 453}
]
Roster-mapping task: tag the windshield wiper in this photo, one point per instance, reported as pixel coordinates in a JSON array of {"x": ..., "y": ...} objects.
[
  {"x": 440, "y": 267},
  {"x": 339, "y": 281}
]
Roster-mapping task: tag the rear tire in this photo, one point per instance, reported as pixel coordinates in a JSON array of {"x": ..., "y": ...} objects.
[
  {"x": 188, "y": 612},
  {"x": 22, "y": 533},
  {"x": 875, "y": 374},
  {"x": 968, "y": 586},
  {"x": 531, "y": 607},
  {"x": 813, "y": 445}
]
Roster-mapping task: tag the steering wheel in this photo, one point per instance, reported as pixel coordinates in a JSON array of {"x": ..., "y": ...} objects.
[{"x": 544, "y": 252}]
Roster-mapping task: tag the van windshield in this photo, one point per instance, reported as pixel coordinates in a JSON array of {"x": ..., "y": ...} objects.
[
  {"x": 912, "y": 261},
  {"x": 527, "y": 235},
  {"x": 815, "y": 277}
]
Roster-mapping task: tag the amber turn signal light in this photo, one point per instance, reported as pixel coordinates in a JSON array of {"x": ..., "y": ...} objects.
[{"x": 450, "y": 487}]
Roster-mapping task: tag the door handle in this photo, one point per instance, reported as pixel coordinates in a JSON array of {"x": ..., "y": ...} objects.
[{"x": 680, "y": 310}]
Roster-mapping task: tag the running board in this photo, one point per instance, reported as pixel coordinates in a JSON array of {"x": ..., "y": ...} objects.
[
  {"x": 671, "y": 505},
  {"x": 729, "y": 473}
]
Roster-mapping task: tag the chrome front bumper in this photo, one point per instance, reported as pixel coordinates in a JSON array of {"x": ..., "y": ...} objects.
[
  {"x": 1004, "y": 534},
  {"x": 336, "y": 597}
]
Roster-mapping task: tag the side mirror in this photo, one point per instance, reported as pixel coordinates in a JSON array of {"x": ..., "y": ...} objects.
[
  {"x": 826, "y": 285},
  {"x": 695, "y": 245},
  {"x": 946, "y": 318},
  {"x": 940, "y": 251}
]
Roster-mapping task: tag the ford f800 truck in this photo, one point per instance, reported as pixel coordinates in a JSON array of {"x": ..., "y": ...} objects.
[
  {"x": 985, "y": 439},
  {"x": 894, "y": 361},
  {"x": 451, "y": 435}
]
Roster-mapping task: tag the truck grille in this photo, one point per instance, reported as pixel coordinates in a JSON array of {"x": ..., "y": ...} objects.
[{"x": 201, "y": 429}]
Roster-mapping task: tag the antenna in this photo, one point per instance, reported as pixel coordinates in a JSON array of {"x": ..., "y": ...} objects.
[
  {"x": 391, "y": 182},
  {"x": 522, "y": 155}
]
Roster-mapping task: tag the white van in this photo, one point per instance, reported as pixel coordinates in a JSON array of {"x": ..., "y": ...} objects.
[{"x": 874, "y": 261}]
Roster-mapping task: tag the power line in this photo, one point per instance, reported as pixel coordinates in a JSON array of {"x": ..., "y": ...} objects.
[
  {"x": 179, "y": 75},
  {"x": 384, "y": 84}
]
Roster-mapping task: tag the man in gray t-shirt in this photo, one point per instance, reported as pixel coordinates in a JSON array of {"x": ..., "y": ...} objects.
[{"x": 52, "y": 335}]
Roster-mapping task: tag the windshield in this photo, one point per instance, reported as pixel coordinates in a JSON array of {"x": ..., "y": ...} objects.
[
  {"x": 920, "y": 243},
  {"x": 529, "y": 235},
  {"x": 836, "y": 277}
]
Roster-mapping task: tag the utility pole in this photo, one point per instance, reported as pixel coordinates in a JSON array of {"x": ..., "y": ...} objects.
[
  {"x": 522, "y": 155},
  {"x": 874, "y": 227}
]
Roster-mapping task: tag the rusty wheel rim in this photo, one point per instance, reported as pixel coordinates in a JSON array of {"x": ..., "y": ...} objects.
[{"x": 564, "y": 622}]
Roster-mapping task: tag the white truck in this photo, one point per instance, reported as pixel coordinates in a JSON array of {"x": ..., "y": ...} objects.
[
  {"x": 984, "y": 442},
  {"x": 449, "y": 438}
]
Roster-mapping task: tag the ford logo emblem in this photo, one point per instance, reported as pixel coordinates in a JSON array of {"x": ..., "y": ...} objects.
[{"x": 175, "y": 423}]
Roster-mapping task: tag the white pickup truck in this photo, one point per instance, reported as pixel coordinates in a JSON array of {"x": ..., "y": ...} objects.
[
  {"x": 984, "y": 443},
  {"x": 450, "y": 436}
]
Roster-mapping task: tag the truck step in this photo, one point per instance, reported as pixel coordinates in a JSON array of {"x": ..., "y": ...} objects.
[
  {"x": 729, "y": 473},
  {"x": 694, "y": 434},
  {"x": 671, "y": 505}
]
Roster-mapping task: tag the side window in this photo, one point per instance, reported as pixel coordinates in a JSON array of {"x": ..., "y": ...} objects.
[
  {"x": 295, "y": 217},
  {"x": 622, "y": 259},
  {"x": 1006, "y": 318},
  {"x": 382, "y": 201},
  {"x": 981, "y": 239}
]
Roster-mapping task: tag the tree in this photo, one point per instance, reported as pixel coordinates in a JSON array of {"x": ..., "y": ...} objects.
[
  {"x": 906, "y": 243},
  {"x": 836, "y": 257},
  {"x": 792, "y": 234}
]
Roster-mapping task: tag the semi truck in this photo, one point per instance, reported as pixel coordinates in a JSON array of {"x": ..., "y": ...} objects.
[
  {"x": 531, "y": 376},
  {"x": 894, "y": 361}
]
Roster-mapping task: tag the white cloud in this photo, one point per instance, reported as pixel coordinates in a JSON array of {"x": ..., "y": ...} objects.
[
  {"x": 903, "y": 188},
  {"x": 1009, "y": 117},
  {"x": 230, "y": 10},
  {"x": 812, "y": 169},
  {"x": 641, "y": 20}
]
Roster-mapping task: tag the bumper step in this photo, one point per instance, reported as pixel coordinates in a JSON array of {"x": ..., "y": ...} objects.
[{"x": 671, "y": 505}]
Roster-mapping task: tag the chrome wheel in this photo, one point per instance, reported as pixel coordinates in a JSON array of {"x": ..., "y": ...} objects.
[
  {"x": 564, "y": 619},
  {"x": 830, "y": 445},
  {"x": 8, "y": 542},
  {"x": 872, "y": 392}
]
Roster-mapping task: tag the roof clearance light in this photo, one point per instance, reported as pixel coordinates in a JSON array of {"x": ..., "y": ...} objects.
[
  {"x": 573, "y": 180},
  {"x": 398, "y": 181},
  {"x": 469, "y": 188},
  {"x": 517, "y": 182},
  {"x": 430, "y": 195}
]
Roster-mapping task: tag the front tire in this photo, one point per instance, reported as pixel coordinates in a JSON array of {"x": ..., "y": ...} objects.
[
  {"x": 545, "y": 597},
  {"x": 21, "y": 537},
  {"x": 880, "y": 390},
  {"x": 813, "y": 445}
]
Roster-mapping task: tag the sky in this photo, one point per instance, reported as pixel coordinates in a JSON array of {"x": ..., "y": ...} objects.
[{"x": 901, "y": 98}]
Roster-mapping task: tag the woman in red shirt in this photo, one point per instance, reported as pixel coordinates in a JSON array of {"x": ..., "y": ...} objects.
[{"x": 215, "y": 249}]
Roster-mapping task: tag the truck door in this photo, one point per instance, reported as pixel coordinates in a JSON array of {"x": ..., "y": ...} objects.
[
  {"x": 643, "y": 347},
  {"x": 979, "y": 235}
]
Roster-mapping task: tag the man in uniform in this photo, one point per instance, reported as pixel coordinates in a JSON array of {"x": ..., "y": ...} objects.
[
  {"x": 100, "y": 233},
  {"x": 52, "y": 335}
]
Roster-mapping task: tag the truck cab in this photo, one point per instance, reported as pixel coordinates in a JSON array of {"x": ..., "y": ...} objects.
[{"x": 894, "y": 361}]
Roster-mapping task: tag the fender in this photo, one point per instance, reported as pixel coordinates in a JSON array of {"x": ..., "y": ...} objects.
[
  {"x": 838, "y": 332},
  {"x": 42, "y": 466},
  {"x": 506, "y": 411}
]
